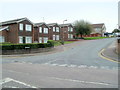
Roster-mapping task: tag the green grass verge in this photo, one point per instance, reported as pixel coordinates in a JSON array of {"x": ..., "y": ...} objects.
[
  {"x": 67, "y": 42},
  {"x": 92, "y": 38},
  {"x": 57, "y": 43}
]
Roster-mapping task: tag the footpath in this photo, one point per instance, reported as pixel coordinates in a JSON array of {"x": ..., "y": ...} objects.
[{"x": 111, "y": 52}]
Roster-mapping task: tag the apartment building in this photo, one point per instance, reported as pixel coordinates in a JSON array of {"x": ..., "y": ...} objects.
[
  {"x": 54, "y": 31},
  {"x": 67, "y": 32},
  {"x": 17, "y": 31},
  {"x": 41, "y": 32}
]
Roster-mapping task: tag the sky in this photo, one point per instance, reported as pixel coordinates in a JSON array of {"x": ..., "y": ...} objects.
[{"x": 55, "y": 11}]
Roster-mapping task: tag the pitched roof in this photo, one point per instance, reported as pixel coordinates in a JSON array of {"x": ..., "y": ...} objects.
[
  {"x": 40, "y": 24},
  {"x": 52, "y": 24},
  {"x": 68, "y": 24},
  {"x": 98, "y": 25},
  {"x": 4, "y": 28},
  {"x": 14, "y": 21}
]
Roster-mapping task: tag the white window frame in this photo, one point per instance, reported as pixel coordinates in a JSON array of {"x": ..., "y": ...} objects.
[
  {"x": 45, "y": 39},
  {"x": 57, "y": 29},
  {"x": 71, "y": 29},
  {"x": 20, "y": 39},
  {"x": 53, "y": 37},
  {"x": 45, "y": 30},
  {"x": 28, "y": 27},
  {"x": 28, "y": 39},
  {"x": 57, "y": 37},
  {"x": 70, "y": 36},
  {"x": 40, "y": 29},
  {"x": 21, "y": 26},
  {"x": 40, "y": 39},
  {"x": 53, "y": 29},
  {"x": 2, "y": 39}
]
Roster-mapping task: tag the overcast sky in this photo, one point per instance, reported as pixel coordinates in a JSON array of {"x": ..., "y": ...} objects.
[{"x": 55, "y": 11}]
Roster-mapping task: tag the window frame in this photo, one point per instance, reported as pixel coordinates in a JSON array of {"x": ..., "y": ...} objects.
[
  {"x": 45, "y": 31},
  {"x": 40, "y": 29},
  {"x": 27, "y": 38},
  {"x": 44, "y": 38},
  {"x": 21, "y": 26},
  {"x": 28, "y": 27},
  {"x": 2, "y": 39}
]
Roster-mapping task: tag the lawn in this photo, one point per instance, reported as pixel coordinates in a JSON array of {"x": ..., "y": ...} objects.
[
  {"x": 92, "y": 38},
  {"x": 57, "y": 43}
]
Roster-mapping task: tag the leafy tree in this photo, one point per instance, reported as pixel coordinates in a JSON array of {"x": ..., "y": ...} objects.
[
  {"x": 82, "y": 28},
  {"x": 116, "y": 31}
]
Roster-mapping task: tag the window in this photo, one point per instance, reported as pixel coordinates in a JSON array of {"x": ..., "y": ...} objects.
[
  {"x": 21, "y": 26},
  {"x": 40, "y": 39},
  {"x": 45, "y": 39},
  {"x": 2, "y": 39},
  {"x": 40, "y": 29},
  {"x": 45, "y": 30},
  {"x": 53, "y": 29},
  {"x": 28, "y": 27},
  {"x": 57, "y": 37},
  {"x": 70, "y": 29},
  {"x": 98, "y": 29},
  {"x": 57, "y": 29},
  {"x": 28, "y": 39},
  {"x": 70, "y": 36},
  {"x": 53, "y": 37},
  {"x": 20, "y": 39}
]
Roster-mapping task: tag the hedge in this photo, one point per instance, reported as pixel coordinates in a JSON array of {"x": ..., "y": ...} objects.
[{"x": 23, "y": 46}]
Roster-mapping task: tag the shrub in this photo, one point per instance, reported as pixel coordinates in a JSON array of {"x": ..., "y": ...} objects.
[
  {"x": 51, "y": 43},
  {"x": 22, "y": 46}
]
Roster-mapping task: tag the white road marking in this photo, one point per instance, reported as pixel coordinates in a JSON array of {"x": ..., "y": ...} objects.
[
  {"x": 72, "y": 66},
  {"x": 81, "y": 66},
  {"x": 72, "y": 80},
  {"x": 3, "y": 81},
  {"x": 63, "y": 65}
]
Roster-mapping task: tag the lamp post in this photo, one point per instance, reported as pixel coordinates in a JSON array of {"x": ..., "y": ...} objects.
[{"x": 63, "y": 32}]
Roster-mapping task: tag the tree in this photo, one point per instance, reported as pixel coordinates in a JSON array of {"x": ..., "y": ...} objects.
[
  {"x": 116, "y": 31},
  {"x": 82, "y": 28}
]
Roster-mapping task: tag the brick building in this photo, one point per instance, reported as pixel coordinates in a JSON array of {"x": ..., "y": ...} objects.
[
  {"x": 54, "y": 31},
  {"x": 41, "y": 32},
  {"x": 17, "y": 31},
  {"x": 67, "y": 32}
]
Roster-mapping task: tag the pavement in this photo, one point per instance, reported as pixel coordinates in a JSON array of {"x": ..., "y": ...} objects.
[{"x": 110, "y": 52}]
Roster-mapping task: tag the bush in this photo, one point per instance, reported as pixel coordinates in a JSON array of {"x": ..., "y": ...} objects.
[
  {"x": 51, "y": 43},
  {"x": 22, "y": 46}
]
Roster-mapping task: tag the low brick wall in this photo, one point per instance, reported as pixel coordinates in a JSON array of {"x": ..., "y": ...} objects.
[{"x": 26, "y": 51}]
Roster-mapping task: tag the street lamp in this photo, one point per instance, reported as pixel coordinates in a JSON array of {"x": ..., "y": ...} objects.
[{"x": 63, "y": 32}]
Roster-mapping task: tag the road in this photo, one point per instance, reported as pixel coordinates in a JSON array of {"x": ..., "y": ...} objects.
[{"x": 79, "y": 66}]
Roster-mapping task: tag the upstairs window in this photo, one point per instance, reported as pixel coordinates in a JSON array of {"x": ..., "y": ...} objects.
[
  {"x": 46, "y": 30},
  {"x": 53, "y": 29},
  {"x": 21, "y": 26},
  {"x": 2, "y": 39},
  {"x": 70, "y": 29},
  {"x": 28, "y": 27},
  {"x": 57, "y": 29},
  {"x": 40, "y": 29}
]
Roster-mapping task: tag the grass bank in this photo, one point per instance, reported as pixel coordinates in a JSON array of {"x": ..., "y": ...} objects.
[
  {"x": 57, "y": 43},
  {"x": 92, "y": 38}
]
